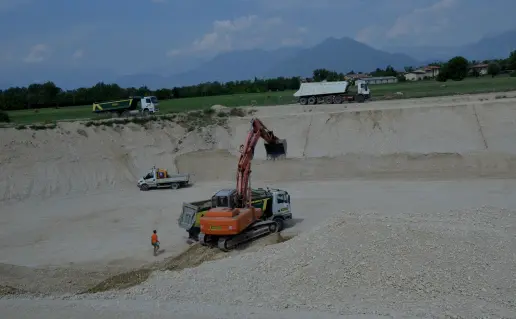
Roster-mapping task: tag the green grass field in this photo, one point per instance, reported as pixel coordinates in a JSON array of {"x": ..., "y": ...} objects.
[{"x": 379, "y": 92}]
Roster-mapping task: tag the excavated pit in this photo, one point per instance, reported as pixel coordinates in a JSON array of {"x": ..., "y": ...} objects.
[{"x": 71, "y": 192}]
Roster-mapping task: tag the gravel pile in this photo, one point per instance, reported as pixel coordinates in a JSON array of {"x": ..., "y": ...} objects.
[{"x": 456, "y": 264}]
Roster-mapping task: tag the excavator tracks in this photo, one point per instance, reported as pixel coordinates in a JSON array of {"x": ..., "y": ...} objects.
[{"x": 228, "y": 243}]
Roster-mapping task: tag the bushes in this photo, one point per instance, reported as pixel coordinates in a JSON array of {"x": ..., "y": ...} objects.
[{"x": 4, "y": 117}]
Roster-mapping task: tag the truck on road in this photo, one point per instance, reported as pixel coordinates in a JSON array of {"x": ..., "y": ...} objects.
[
  {"x": 332, "y": 92},
  {"x": 160, "y": 178},
  {"x": 133, "y": 106},
  {"x": 274, "y": 203}
]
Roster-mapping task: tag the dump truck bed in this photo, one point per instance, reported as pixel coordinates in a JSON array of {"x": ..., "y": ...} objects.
[
  {"x": 190, "y": 210},
  {"x": 114, "y": 106},
  {"x": 322, "y": 88}
]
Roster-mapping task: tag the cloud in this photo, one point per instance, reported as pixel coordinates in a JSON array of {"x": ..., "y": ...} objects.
[
  {"x": 287, "y": 42},
  {"x": 38, "y": 53},
  {"x": 78, "y": 54},
  {"x": 369, "y": 34},
  {"x": 297, "y": 4},
  {"x": 422, "y": 20},
  {"x": 247, "y": 32},
  {"x": 416, "y": 26}
]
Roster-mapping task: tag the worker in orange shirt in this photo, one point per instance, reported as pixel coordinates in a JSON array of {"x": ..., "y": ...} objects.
[{"x": 155, "y": 241}]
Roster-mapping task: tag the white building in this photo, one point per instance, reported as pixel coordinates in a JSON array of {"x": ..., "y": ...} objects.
[
  {"x": 415, "y": 75},
  {"x": 380, "y": 80},
  {"x": 480, "y": 68},
  {"x": 428, "y": 72}
]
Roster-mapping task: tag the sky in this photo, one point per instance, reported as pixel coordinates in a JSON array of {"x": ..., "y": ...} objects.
[{"x": 170, "y": 36}]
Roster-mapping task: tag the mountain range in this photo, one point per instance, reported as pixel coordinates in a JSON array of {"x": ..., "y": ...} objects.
[
  {"x": 490, "y": 47},
  {"x": 341, "y": 55}
]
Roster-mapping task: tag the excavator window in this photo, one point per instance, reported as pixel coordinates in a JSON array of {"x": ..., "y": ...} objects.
[{"x": 222, "y": 201}]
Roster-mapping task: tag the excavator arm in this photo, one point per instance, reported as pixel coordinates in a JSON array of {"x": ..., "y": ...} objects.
[{"x": 274, "y": 148}]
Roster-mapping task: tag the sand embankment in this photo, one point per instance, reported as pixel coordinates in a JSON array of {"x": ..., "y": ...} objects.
[{"x": 470, "y": 139}]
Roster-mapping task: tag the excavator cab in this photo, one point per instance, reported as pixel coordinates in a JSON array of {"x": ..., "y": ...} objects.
[
  {"x": 224, "y": 198},
  {"x": 277, "y": 149}
]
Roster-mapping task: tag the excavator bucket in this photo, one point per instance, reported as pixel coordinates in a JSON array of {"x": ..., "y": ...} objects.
[{"x": 275, "y": 150}]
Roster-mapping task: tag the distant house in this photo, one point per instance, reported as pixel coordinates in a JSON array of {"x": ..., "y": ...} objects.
[
  {"x": 380, "y": 80},
  {"x": 432, "y": 70},
  {"x": 480, "y": 68},
  {"x": 359, "y": 76},
  {"x": 372, "y": 79},
  {"x": 428, "y": 72},
  {"x": 416, "y": 75}
]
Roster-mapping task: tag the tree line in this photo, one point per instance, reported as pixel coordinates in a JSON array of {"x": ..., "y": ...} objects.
[
  {"x": 458, "y": 68},
  {"x": 49, "y": 95}
]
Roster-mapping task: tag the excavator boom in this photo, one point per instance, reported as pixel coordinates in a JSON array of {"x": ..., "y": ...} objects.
[{"x": 274, "y": 148}]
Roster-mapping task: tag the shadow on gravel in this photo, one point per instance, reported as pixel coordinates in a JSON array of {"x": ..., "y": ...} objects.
[
  {"x": 8, "y": 290},
  {"x": 194, "y": 256},
  {"x": 293, "y": 222},
  {"x": 170, "y": 189}
]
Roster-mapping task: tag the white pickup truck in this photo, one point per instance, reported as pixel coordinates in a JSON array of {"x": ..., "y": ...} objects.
[{"x": 160, "y": 178}]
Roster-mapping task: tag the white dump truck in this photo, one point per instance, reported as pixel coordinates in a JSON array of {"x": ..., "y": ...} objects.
[
  {"x": 332, "y": 92},
  {"x": 160, "y": 178}
]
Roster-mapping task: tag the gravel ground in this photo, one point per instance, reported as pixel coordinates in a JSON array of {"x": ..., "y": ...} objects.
[
  {"x": 129, "y": 309},
  {"x": 458, "y": 264}
]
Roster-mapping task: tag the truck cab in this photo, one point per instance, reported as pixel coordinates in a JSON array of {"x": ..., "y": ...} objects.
[
  {"x": 160, "y": 178},
  {"x": 363, "y": 88},
  {"x": 152, "y": 176},
  {"x": 148, "y": 104}
]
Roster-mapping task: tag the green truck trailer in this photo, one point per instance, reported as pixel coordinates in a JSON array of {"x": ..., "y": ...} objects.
[{"x": 134, "y": 105}]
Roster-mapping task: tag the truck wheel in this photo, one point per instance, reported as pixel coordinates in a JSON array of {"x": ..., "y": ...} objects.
[
  {"x": 280, "y": 222},
  {"x": 338, "y": 99},
  {"x": 146, "y": 112},
  {"x": 144, "y": 187},
  {"x": 303, "y": 101},
  {"x": 312, "y": 100},
  {"x": 328, "y": 99},
  {"x": 273, "y": 227},
  {"x": 360, "y": 98},
  {"x": 174, "y": 185}
]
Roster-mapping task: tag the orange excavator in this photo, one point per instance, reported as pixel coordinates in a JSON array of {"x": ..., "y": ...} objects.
[{"x": 233, "y": 220}]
